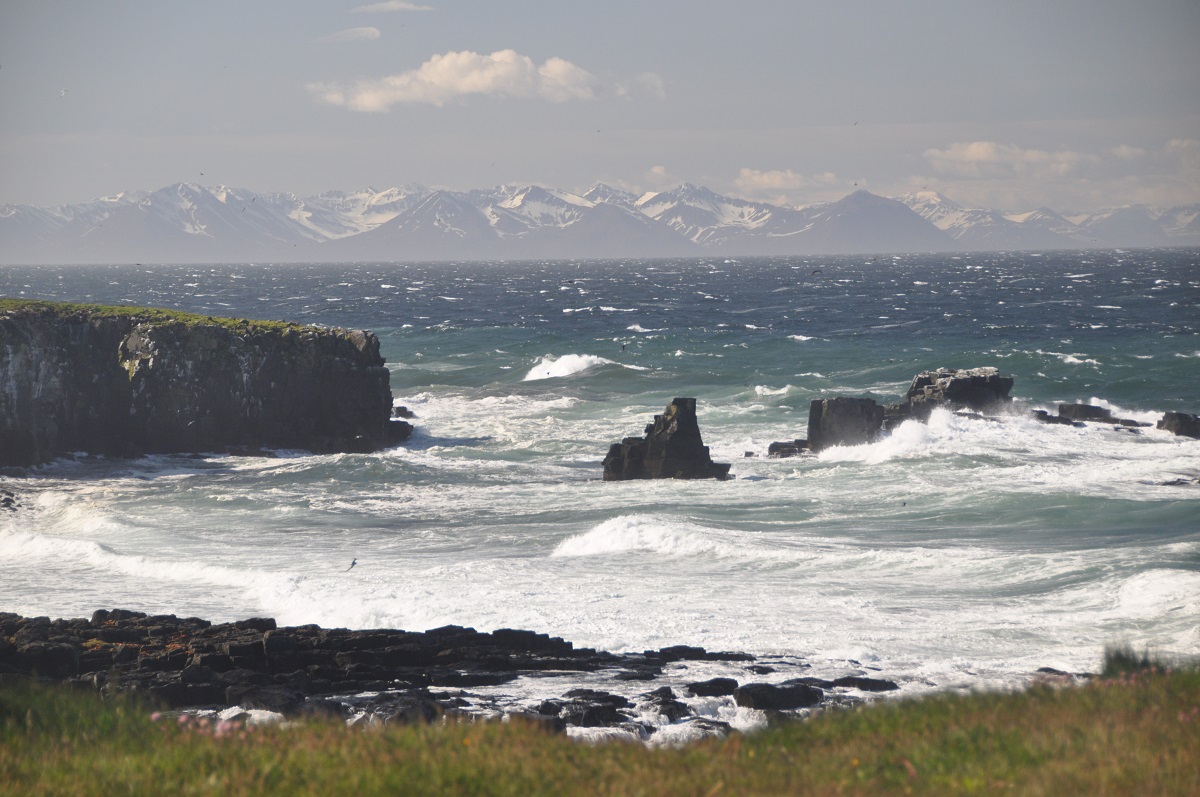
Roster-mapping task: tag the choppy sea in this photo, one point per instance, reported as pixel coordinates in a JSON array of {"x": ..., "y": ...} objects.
[{"x": 962, "y": 553}]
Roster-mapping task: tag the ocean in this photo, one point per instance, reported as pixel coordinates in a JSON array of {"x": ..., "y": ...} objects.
[{"x": 964, "y": 553}]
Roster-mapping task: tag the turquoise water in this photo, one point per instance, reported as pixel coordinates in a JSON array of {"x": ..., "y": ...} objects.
[{"x": 962, "y": 552}]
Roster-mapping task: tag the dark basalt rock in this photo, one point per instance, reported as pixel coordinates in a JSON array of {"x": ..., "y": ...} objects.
[
  {"x": 714, "y": 687},
  {"x": 671, "y": 449},
  {"x": 866, "y": 684},
  {"x": 663, "y": 701},
  {"x": 975, "y": 388},
  {"x": 771, "y": 697},
  {"x": 377, "y": 676},
  {"x": 1181, "y": 423},
  {"x": 589, "y": 708},
  {"x": 1085, "y": 412},
  {"x": 1045, "y": 417},
  {"x": 784, "y": 449},
  {"x": 1078, "y": 414},
  {"x": 843, "y": 421},
  {"x": 691, "y": 653},
  {"x": 151, "y": 381}
]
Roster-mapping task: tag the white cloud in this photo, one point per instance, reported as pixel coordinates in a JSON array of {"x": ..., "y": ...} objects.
[
  {"x": 1127, "y": 153},
  {"x": 446, "y": 77},
  {"x": 647, "y": 84},
  {"x": 1187, "y": 150},
  {"x": 390, "y": 5},
  {"x": 352, "y": 35},
  {"x": 755, "y": 181},
  {"x": 989, "y": 159}
]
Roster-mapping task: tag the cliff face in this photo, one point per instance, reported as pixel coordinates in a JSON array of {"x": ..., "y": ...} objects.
[{"x": 127, "y": 381}]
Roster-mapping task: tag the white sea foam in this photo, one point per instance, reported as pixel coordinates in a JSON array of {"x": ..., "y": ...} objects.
[
  {"x": 1071, "y": 359},
  {"x": 801, "y": 338},
  {"x": 551, "y": 367},
  {"x": 640, "y": 533}
]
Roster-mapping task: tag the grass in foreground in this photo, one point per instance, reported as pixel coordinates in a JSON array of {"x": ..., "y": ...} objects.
[{"x": 1138, "y": 733}]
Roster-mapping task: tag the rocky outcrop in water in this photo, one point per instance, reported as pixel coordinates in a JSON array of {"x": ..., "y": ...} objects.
[
  {"x": 1181, "y": 423},
  {"x": 671, "y": 449},
  {"x": 845, "y": 421},
  {"x": 977, "y": 389},
  {"x": 130, "y": 381},
  {"x": 1083, "y": 414}
]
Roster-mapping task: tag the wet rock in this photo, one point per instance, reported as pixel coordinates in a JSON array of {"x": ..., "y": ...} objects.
[
  {"x": 664, "y": 702},
  {"x": 691, "y": 653},
  {"x": 671, "y": 449},
  {"x": 975, "y": 389},
  {"x": 782, "y": 450},
  {"x": 1085, "y": 412},
  {"x": 771, "y": 697},
  {"x": 866, "y": 684},
  {"x": 714, "y": 687},
  {"x": 1181, "y": 423},
  {"x": 589, "y": 708},
  {"x": 843, "y": 421},
  {"x": 1045, "y": 417}
]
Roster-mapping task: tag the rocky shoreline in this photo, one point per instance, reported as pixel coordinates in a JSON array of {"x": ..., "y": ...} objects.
[{"x": 384, "y": 675}]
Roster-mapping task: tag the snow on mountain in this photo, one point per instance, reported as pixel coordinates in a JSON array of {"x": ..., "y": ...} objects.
[
  {"x": 982, "y": 229},
  {"x": 192, "y": 223},
  {"x": 606, "y": 193},
  {"x": 442, "y": 226},
  {"x": 606, "y": 230},
  {"x": 705, "y": 217},
  {"x": 336, "y": 214},
  {"x": 1139, "y": 225},
  {"x": 545, "y": 207}
]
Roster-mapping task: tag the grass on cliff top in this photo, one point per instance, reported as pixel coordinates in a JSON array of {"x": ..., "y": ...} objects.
[
  {"x": 150, "y": 315},
  {"x": 1133, "y": 733}
]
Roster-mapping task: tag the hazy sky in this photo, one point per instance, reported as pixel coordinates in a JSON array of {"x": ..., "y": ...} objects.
[{"x": 1072, "y": 104}]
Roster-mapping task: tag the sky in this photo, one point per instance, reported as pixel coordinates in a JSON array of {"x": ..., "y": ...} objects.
[{"x": 1067, "y": 104}]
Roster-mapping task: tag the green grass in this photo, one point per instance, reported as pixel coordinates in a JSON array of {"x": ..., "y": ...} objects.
[
  {"x": 1138, "y": 733},
  {"x": 150, "y": 315}
]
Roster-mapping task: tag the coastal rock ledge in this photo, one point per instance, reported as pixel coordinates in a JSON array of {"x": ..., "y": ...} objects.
[{"x": 125, "y": 381}]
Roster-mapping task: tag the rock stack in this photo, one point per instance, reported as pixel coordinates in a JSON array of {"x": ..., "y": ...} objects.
[
  {"x": 843, "y": 421},
  {"x": 671, "y": 449},
  {"x": 128, "y": 381}
]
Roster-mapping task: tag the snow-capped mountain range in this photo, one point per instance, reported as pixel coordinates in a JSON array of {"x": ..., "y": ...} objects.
[{"x": 191, "y": 223}]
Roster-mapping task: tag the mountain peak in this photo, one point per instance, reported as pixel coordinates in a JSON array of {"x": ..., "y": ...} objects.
[{"x": 186, "y": 223}]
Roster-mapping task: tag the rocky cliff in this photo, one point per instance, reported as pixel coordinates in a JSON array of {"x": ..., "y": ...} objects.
[{"x": 126, "y": 381}]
